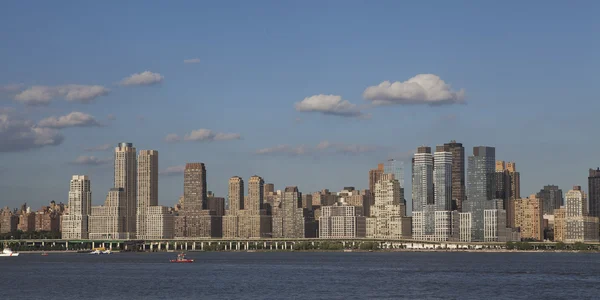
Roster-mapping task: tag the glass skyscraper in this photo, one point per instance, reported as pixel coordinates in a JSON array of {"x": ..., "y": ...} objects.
[{"x": 480, "y": 187}]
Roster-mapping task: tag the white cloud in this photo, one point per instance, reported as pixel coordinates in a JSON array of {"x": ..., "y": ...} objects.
[
  {"x": 172, "y": 138},
  {"x": 175, "y": 170},
  {"x": 208, "y": 135},
  {"x": 43, "y": 95},
  {"x": 104, "y": 147},
  {"x": 329, "y": 105},
  {"x": 144, "y": 78},
  {"x": 191, "y": 61},
  {"x": 82, "y": 93},
  {"x": 11, "y": 88},
  {"x": 18, "y": 134},
  {"x": 421, "y": 89},
  {"x": 74, "y": 119},
  {"x": 324, "y": 147},
  {"x": 90, "y": 161}
]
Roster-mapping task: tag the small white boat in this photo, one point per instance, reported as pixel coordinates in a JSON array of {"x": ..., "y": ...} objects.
[
  {"x": 8, "y": 252},
  {"x": 106, "y": 252},
  {"x": 97, "y": 252}
]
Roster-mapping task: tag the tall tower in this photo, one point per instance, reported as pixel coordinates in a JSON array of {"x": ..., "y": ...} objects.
[
  {"x": 422, "y": 179},
  {"x": 75, "y": 223},
  {"x": 575, "y": 202},
  {"x": 503, "y": 190},
  {"x": 236, "y": 194},
  {"x": 480, "y": 173},
  {"x": 126, "y": 178},
  {"x": 194, "y": 186},
  {"x": 256, "y": 193},
  {"x": 552, "y": 198},
  {"x": 594, "y": 190},
  {"x": 374, "y": 176},
  {"x": 147, "y": 188},
  {"x": 442, "y": 179},
  {"x": 515, "y": 181},
  {"x": 458, "y": 172}
]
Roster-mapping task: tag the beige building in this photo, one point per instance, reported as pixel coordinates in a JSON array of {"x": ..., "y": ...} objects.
[
  {"x": 26, "y": 220},
  {"x": 126, "y": 178},
  {"x": 245, "y": 217},
  {"x": 151, "y": 218},
  {"x": 8, "y": 220},
  {"x": 75, "y": 222},
  {"x": 288, "y": 215},
  {"x": 388, "y": 215},
  {"x": 560, "y": 225},
  {"x": 108, "y": 221},
  {"x": 572, "y": 223},
  {"x": 529, "y": 217}
]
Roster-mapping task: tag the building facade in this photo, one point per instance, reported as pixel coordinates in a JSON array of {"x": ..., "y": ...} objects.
[
  {"x": 529, "y": 215},
  {"x": 458, "y": 173},
  {"x": 388, "y": 215},
  {"x": 342, "y": 221},
  {"x": 75, "y": 222},
  {"x": 108, "y": 221},
  {"x": 552, "y": 198},
  {"x": 125, "y": 168},
  {"x": 594, "y": 191},
  {"x": 480, "y": 191}
]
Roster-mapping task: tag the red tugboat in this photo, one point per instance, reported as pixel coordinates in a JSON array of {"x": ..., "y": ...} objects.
[{"x": 181, "y": 259}]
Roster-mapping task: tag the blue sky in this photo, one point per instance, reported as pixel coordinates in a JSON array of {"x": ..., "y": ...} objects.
[{"x": 528, "y": 71}]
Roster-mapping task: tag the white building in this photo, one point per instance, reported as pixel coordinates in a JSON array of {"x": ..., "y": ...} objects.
[
  {"x": 579, "y": 226},
  {"x": 75, "y": 222}
]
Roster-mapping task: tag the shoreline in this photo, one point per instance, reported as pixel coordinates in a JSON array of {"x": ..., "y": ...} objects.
[{"x": 323, "y": 251}]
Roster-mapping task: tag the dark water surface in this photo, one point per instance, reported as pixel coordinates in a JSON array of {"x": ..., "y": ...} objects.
[{"x": 333, "y": 275}]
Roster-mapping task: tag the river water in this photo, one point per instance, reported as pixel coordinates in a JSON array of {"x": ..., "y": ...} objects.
[{"x": 302, "y": 275}]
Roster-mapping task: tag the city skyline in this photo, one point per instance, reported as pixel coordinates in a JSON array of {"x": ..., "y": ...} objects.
[{"x": 190, "y": 85}]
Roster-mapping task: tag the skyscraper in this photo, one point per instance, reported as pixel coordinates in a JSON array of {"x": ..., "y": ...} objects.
[
  {"x": 108, "y": 221},
  {"x": 458, "y": 172},
  {"x": 126, "y": 178},
  {"x": 194, "y": 186},
  {"x": 422, "y": 179},
  {"x": 256, "y": 193},
  {"x": 374, "y": 176},
  {"x": 594, "y": 190},
  {"x": 529, "y": 217},
  {"x": 147, "y": 188},
  {"x": 552, "y": 198},
  {"x": 193, "y": 220},
  {"x": 388, "y": 215},
  {"x": 515, "y": 181},
  {"x": 480, "y": 173},
  {"x": 236, "y": 193},
  {"x": 289, "y": 219},
  {"x": 442, "y": 176},
  {"x": 503, "y": 191},
  {"x": 75, "y": 222}
]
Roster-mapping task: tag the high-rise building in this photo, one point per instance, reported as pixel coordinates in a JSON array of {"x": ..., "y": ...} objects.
[
  {"x": 126, "y": 179},
  {"x": 594, "y": 190},
  {"x": 108, "y": 221},
  {"x": 579, "y": 226},
  {"x": 458, "y": 173},
  {"x": 26, "y": 220},
  {"x": 480, "y": 190},
  {"x": 375, "y": 175},
  {"x": 147, "y": 189},
  {"x": 502, "y": 190},
  {"x": 342, "y": 221},
  {"x": 515, "y": 181},
  {"x": 256, "y": 193},
  {"x": 552, "y": 198},
  {"x": 422, "y": 179},
  {"x": 269, "y": 188},
  {"x": 194, "y": 186},
  {"x": 288, "y": 218},
  {"x": 388, "y": 215},
  {"x": 193, "y": 220},
  {"x": 442, "y": 180},
  {"x": 529, "y": 217},
  {"x": 153, "y": 221},
  {"x": 75, "y": 222},
  {"x": 8, "y": 220},
  {"x": 236, "y": 193}
]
